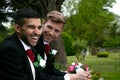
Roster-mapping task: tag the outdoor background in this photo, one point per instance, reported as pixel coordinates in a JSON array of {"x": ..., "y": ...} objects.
[{"x": 91, "y": 35}]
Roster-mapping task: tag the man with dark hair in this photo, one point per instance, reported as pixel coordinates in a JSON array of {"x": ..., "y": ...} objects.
[
  {"x": 16, "y": 51},
  {"x": 52, "y": 29}
]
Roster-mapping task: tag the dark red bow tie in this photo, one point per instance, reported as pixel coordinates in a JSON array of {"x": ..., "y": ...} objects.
[
  {"x": 47, "y": 48},
  {"x": 30, "y": 55}
]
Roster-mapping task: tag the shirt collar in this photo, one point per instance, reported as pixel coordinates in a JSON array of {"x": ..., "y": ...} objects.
[
  {"x": 45, "y": 42},
  {"x": 26, "y": 47}
]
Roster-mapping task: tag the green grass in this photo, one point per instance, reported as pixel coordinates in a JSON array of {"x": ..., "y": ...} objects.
[{"x": 108, "y": 68}]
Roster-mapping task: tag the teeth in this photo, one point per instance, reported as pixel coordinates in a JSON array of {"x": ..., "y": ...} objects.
[{"x": 34, "y": 38}]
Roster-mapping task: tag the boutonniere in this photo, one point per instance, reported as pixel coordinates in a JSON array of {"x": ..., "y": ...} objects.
[
  {"x": 40, "y": 62},
  {"x": 53, "y": 52}
]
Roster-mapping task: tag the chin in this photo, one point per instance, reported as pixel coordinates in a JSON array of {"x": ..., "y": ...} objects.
[
  {"x": 33, "y": 44},
  {"x": 46, "y": 40}
]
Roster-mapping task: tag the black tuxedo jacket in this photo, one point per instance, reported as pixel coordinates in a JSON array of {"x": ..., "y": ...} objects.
[
  {"x": 49, "y": 72},
  {"x": 14, "y": 64}
]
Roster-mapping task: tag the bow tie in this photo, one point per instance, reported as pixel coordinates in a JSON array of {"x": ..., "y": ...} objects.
[
  {"x": 30, "y": 54},
  {"x": 47, "y": 48}
]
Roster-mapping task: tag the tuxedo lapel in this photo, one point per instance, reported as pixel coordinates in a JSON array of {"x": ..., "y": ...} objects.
[
  {"x": 14, "y": 36},
  {"x": 40, "y": 47}
]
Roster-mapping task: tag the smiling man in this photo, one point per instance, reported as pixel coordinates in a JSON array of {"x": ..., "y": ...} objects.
[
  {"x": 15, "y": 61},
  {"x": 52, "y": 29}
]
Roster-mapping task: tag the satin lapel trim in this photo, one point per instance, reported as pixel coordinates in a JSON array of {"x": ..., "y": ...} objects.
[{"x": 32, "y": 68}]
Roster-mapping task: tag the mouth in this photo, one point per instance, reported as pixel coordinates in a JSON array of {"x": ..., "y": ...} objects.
[
  {"x": 48, "y": 38},
  {"x": 34, "y": 39}
]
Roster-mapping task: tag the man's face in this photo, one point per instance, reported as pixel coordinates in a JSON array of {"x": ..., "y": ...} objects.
[
  {"x": 51, "y": 30},
  {"x": 31, "y": 31}
]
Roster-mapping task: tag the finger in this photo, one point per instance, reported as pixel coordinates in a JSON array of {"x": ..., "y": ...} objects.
[{"x": 86, "y": 79}]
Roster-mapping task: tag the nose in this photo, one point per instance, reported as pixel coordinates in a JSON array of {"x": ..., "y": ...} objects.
[
  {"x": 51, "y": 32},
  {"x": 38, "y": 31}
]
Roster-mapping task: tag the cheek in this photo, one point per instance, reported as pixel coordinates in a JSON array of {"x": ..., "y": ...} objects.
[
  {"x": 44, "y": 31},
  {"x": 56, "y": 35},
  {"x": 40, "y": 31}
]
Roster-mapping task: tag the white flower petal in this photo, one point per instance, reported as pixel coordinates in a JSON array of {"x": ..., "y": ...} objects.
[
  {"x": 80, "y": 64},
  {"x": 54, "y": 52},
  {"x": 79, "y": 70},
  {"x": 42, "y": 63},
  {"x": 73, "y": 63}
]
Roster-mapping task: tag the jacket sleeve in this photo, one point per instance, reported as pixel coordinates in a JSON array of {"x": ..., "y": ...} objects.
[
  {"x": 46, "y": 76},
  {"x": 11, "y": 63},
  {"x": 50, "y": 67}
]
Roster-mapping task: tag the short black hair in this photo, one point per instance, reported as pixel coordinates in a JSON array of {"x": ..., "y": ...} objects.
[{"x": 21, "y": 14}]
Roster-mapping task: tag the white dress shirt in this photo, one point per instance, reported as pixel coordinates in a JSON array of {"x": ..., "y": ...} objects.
[{"x": 26, "y": 47}]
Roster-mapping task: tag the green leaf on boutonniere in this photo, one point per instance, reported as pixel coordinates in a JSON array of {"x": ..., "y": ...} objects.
[
  {"x": 36, "y": 64},
  {"x": 40, "y": 62}
]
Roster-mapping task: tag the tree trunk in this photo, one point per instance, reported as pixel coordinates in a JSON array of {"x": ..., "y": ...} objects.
[{"x": 60, "y": 57}]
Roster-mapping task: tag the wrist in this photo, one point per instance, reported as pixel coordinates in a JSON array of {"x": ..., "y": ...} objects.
[{"x": 67, "y": 77}]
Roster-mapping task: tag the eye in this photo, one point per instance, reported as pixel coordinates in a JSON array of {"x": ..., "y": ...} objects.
[
  {"x": 39, "y": 27},
  {"x": 49, "y": 27},
  {"x": 31, "y": 26},
  {"x": 57, "y": 31}
]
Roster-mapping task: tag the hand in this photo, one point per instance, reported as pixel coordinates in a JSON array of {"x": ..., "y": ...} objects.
[
  {"x": 85, "y": 74},
  {"x": 81, "y": 76}
]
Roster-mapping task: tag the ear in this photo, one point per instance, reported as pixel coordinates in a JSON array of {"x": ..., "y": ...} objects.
[{"x": 17, "y": 28}]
